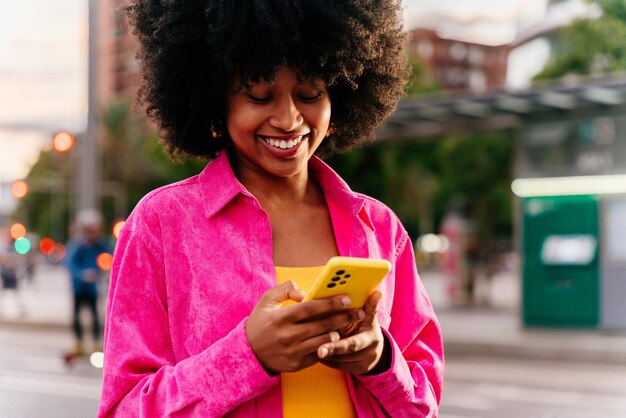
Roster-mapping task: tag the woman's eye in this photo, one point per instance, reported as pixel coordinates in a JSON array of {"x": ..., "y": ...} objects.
[
  {"x": 311, "y": 97},
  {"x": 259, "y": 99}
]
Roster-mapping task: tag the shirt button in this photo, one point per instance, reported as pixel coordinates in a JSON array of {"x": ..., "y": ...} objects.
[{"x": 380, "y": 386}]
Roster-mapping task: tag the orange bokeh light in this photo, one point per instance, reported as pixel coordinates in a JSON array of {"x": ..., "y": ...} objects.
[
  {"x": 105, "y": 261},
  {"x": 63, "y": 141},
  {"x": 19, "y": 189},
  {"x": 46, "y": 246},
  {"x": 117, "y": 228},
  {"x": 18, "y": 231}
]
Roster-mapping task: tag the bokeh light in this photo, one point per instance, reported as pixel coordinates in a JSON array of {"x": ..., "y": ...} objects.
[
  {"x": 59, "y": 252},
  {"x": 97, "y": 359},
  {"x": 22, "y": 245},
  {"x": 117, "y": 228},
  {"x": 19, "y": 189},
  {"x": 18, "y": 231},
  {"x": 63, "y": 141},
  {"x": 105, "y": 261},
  {"x": 46, "y": 246}
]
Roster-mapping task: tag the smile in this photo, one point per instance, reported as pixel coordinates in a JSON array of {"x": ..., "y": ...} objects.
[{"x": 283, "y": 143}]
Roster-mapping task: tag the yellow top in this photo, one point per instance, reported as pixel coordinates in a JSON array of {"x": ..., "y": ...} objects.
[{"x": 317, "y": 391}]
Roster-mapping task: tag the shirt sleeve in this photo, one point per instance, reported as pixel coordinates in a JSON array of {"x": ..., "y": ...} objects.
[
  {"x": 412, "y": 385},
  {"x": 141, "y": 376}
]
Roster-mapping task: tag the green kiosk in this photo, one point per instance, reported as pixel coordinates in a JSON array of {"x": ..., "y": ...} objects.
[
  {"x": 561, "y": 266},
  {"x": 572, "y": 219}
]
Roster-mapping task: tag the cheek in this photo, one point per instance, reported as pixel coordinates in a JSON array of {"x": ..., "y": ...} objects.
[
  {"x": 325, "y": 114},
  {"x": 239, "y": 125}
]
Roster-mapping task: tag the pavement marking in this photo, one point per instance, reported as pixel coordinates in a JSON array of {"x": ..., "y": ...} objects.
[
  {"x": 58, "y": 385},
  {"x": 552, "y": 397}
]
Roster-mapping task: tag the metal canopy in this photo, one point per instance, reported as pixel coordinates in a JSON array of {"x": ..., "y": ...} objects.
[{"x": 428, "y": 116}]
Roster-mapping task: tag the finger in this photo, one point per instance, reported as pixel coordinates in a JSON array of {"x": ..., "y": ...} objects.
[
  {"x": 342, "y": 362},
  {"x": 312, "y": 344},
  {"x": 371, "y": 305},
  {"x": 282, "y": 293},
  {"x": 306, "y": 330},
  {"x": 348, "y": 345},
  {"x": 330, "y": 323},
  {"x": 313, "y": 309}
]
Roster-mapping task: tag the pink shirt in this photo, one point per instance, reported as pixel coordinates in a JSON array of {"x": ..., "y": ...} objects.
[{"x": 190, "y": 264}]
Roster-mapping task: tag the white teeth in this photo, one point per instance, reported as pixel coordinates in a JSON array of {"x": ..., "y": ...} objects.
[{"x": 281, "y": 143}]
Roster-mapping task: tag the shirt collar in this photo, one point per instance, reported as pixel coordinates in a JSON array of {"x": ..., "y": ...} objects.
[{"x": 220, "y": 186}]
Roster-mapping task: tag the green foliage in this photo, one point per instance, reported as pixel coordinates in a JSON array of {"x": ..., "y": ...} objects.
[
  {"x": 133, "y": 163},
  {"x": 590, "y": 47},
  {"x": 477, "y": 170},
  {"x": 420, "y": 179},
  {"x": 45, "y": 210},
  {"x": 420, "y": 82}
]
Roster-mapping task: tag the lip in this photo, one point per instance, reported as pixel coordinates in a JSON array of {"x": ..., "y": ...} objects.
[
  {"x": 283, "y": 153},
  {"x": 285, "y": 137}
]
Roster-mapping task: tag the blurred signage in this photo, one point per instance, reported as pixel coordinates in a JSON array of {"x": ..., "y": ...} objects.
[
  {"x": 573, "y": 147},
  {"x": 615, "y": 220},
  {"x": 568, "y": 250},
  {"x": 7, "y": 200}
]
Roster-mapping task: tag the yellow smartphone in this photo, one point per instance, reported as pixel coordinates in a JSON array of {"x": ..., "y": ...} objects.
[{"x": 352, "y": 276}]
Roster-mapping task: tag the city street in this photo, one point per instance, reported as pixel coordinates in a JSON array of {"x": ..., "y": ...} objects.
[
  {"x": 35, "y": 382},
  {"x": 514, "y": 388},
  {"x": 510, "y": 381}
]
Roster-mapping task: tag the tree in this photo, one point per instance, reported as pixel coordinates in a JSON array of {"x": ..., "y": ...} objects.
[
  {"x": 590, "y": 47},
  {"x": 133, "y": 163}
]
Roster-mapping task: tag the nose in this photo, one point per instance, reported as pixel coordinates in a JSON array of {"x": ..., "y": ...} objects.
[{"x": 286, "y": 115}]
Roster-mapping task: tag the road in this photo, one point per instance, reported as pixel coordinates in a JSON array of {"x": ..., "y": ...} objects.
[
  {"x": 478, "y": 387},
  {"x": 35, "y": 383}
]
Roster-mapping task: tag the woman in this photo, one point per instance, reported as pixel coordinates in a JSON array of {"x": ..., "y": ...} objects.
[{"x": 203, "y": 318}]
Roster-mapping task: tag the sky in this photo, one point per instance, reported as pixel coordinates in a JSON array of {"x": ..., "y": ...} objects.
[
  {"x": 43, "y": 57},
  {"x": 42, "y": 77}
]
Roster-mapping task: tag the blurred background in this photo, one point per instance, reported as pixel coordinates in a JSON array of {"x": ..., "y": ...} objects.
[{"x": 506, "y": 162}]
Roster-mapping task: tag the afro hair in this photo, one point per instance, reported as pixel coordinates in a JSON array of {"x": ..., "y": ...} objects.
[{"x": 192, "y": 51}]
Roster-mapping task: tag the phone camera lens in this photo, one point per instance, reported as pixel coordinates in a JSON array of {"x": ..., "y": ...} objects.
[
  {"x": 340, "y": 272},
  {"x": 336, "y": 279},
  {"x": 342, "y": 282},
  {"x": 331, "y": 285}
]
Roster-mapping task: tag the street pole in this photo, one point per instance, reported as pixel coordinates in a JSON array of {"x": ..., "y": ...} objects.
[{"x": 87, "y": 181}]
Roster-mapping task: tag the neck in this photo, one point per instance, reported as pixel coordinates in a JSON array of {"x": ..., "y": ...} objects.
[
  {"x": 273, "y": 192},
  {"x": 278, "y": 190}
]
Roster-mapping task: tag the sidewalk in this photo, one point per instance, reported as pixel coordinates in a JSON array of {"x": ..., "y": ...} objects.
[
  {"x": 495, "y": 328},
  {"x": 492, "y": 329},
  {"x": 45, "y": 302}
]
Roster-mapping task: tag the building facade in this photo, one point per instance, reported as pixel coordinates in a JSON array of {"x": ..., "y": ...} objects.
[
  {"x": 460, "y": 65},
  {"x": 118, "y": 69}
]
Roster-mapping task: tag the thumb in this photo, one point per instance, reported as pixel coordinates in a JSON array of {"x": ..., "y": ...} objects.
[
  {"x": 287, "y": 291},
  {"x": 371, "y": 305}
]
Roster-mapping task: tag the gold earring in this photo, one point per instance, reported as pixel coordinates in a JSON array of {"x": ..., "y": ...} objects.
[
  {"x": 216, "y": 133},
  {"x": 330, "y": 131}
]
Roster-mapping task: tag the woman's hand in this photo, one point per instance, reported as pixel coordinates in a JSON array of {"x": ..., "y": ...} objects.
[
  {"x": 286, "y": 339},
  {"x": 361, "y": 353}
]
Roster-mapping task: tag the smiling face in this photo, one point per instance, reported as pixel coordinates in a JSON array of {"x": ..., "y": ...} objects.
[{"x": 276, "y": 126}]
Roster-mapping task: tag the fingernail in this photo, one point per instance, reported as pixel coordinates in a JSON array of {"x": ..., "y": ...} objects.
[
  {"x": 323, "y": 352},
  {"x": 345, "y": 301},
  {"x": 361, "y": 314}
]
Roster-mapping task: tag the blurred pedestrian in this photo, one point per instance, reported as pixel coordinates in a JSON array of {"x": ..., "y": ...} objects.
[
  {"x": 9, "y": 272},
  {"x": 195, "y": 322},
  {"x": 82, "y": 262}
]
